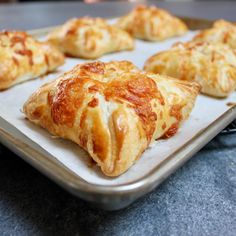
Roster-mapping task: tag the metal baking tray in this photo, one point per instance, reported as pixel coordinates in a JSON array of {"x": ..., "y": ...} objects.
[{"x": 110, "y": 197}]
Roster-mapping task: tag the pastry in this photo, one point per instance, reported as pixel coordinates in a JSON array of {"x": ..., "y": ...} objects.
[
  {"x": 24, "y": 58},
  {"x": 152, "y": 24},
  {"x": 90, "y": 38},
  {"x": 222, "y": 32},
  {"x": 112, "y": 110},
  {"x": 212, "y": 65}
]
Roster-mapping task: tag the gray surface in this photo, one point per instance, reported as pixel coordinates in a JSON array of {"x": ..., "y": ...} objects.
[{"x": 199, "y": 199}]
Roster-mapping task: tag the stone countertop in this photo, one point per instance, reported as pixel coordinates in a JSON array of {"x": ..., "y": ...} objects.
[{"x": 198, "y": 199}]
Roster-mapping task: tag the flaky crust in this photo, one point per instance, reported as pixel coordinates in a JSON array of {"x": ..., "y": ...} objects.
[
  {"x": 23, "y": 58},
  {"x": 151, "y": 23},
  {"x": 90, "y": 38},
  {"x": 112, "y": 110},
  {"x": 212, "y": 65},
  {"x": 221, "y": 32}
]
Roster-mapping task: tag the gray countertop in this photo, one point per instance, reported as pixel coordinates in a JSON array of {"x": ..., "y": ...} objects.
[{"x": 199, "y": 199}]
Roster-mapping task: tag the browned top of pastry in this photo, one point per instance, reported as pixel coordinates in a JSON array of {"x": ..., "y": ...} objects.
[
  {"x": 22, "y": 58},
  {"x": 112, "y": 110},
  {"x": 222, "y": 32},
  {"x": 151, "y": 23},
  {"x": 90, "y": 38},
  {"x": 212, "y": 65}
]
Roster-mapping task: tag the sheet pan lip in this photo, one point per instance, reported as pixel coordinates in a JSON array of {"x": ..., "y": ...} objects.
[{"x": 74, "y": 183}]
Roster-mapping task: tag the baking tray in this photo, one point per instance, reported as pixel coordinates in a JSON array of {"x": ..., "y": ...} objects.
[{"x": 110, "y": 197}]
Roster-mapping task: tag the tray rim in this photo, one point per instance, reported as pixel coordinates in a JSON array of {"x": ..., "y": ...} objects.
[{"x": 108, "y": 195}]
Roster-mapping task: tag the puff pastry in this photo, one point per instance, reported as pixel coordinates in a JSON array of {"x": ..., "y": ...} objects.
[
  {"x": 151, "y": 23},
  {"x": 112, "y": 110},
  {"x": 212, "y": 65},
  {"x": 23, "y": 58},
  {"x": 90, "y": 38},
  {"x": 222, "y": 32}
]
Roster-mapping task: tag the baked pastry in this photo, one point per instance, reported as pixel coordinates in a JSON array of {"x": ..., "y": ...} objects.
[
  {"x": 90, "y": 38},
  {"x": 152, "y": 24},
  {"x": 112, "y": 110},
  {"x": 222, "y": 32},
  {"x": 23, "y": 58},
  {"x": 212, "y": 65}
]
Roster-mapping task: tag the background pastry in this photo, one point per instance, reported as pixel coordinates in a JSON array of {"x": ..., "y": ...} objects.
[
  {"x": 212, "y": 65},
  {"x": 222, "y": 32},
  {"x": 23, "y": 58},
  {"x": 90, "y": 38},
  {"x": 112, "y": 110},
  {"x": 151, "y": 23}
]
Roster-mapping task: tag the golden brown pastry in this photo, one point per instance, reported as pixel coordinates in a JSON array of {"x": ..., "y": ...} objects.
[
  {"x": 24, "y": 58},
  {"x": 222, "y": 32},
  {"x": 212, "y": 65},
  {"x": 90, "y": 38},
  {"x": 152, "y": 24},
  {"x": 112, "y": 110}
]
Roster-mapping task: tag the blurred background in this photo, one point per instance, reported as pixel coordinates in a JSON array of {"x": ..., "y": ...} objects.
[{"x": 92, "y": 1}]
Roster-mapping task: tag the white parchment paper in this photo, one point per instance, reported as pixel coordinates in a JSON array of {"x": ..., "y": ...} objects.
[{"x": 72, "y": 156}]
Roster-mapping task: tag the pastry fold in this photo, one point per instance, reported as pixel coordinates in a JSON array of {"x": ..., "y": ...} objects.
[
  {"x": 221, "y": 32},
  {"x": 24, "y": 58},
  {"x": 152, "y": 24},
  {"x": 90, "y": 38},
  {"x": 112, "y": 110},
  {"x": 212, "y": 65}
]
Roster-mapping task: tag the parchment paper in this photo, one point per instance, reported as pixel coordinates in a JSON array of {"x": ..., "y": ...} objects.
[{"x": 72, "y": 156}]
